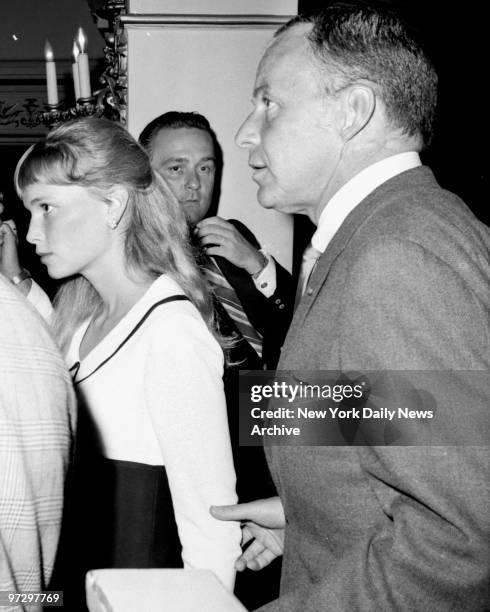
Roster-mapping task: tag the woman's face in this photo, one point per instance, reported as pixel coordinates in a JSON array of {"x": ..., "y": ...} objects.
[{"x": 69, "y": 227}]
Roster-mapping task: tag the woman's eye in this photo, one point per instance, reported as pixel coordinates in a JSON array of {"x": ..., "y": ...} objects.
[
  {"x": 173, "y": 169},
  {"x": 46, "y": 207}
]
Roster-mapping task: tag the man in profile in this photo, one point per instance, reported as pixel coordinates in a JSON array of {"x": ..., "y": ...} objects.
[{"x": 343, "y": 103}]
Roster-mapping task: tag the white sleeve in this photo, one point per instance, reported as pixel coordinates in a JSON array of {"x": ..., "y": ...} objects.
[
  {"x": 266, "y": 281},
  {"x": 38, "y": 298},
  {"x": 185, "y": 397}
]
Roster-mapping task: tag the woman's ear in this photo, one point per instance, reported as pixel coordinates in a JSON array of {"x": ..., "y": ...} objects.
[
  {"x": 359, "y": 106},
  {"x": 116, "y": 202}
]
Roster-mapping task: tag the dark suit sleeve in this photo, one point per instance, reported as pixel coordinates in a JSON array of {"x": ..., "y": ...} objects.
[
  {"x": 269, "y": 316},
  {"x": 407, "y": 309}
]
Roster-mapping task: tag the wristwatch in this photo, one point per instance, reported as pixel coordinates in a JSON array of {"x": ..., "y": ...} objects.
[
  {"x": 22, "y": 276},
  {"x": 265, "y": 261}
]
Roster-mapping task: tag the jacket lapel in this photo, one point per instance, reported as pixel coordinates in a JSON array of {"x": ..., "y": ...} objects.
[{"x": 372, "y": 204}]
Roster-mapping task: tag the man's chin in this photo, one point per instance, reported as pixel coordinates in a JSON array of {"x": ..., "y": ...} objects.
[
  {"x": 267, "y": 200},
  {"x": 191, "y": 211},
  {"x": 195, "y": 212},
  {"x": 192, "y": 219}
]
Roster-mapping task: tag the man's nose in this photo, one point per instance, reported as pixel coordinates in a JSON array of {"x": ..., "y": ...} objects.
[
  {"x": 192, "y": 180},
  {"x": 248, "y": 135}
]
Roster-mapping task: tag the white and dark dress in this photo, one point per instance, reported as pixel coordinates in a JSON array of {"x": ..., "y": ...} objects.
[{"x": 153, "y": 447}]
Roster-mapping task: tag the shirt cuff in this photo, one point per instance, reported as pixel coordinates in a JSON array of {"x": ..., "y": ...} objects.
[{"x": 266, "y": 281}]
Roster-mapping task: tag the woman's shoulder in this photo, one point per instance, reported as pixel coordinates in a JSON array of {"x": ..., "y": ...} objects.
[
  {"x": 176, "y": 315},
  {"x": 170, "y": 313},
  {"x": 177, "y": 332},
  {"x": 166, "y": 301}
]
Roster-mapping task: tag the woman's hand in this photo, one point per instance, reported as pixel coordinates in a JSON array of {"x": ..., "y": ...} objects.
[{"x": 9, "y": 258}]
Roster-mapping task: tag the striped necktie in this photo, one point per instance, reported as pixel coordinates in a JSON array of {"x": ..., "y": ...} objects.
[
  {"x": 229, "y": 299},
  {"x": 310, "y": 258}
]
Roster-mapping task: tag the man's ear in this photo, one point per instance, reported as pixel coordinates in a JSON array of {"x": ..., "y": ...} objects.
[
  {"x": 359, "y": 104},
  {"x": 116, "y": 202}
]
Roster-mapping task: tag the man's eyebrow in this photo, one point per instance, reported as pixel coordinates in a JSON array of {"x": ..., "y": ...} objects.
[
  {"x": 175, "y": 159},
  {"x": 186, "y": 159}
]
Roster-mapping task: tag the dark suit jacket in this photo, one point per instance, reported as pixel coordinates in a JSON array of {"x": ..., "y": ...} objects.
[{"x": 403, "y": 285}]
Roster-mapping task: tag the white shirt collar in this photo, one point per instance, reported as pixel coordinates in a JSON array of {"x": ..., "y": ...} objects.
[{"x": 354, "y": 191}]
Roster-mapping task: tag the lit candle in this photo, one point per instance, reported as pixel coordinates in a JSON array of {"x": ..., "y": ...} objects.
[
  {"x": 51, "y": 81},
  {"x": 83, "y": 67},
  {"x": 74, "y": 68}
]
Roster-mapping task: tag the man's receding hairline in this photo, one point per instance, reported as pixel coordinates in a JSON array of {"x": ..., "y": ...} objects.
[
  {"x": 292, "y": 32},
  {"x": 278, "y": 39},
  {"x": 315, "y": 61},
  {"x": 182, "y": 127}
]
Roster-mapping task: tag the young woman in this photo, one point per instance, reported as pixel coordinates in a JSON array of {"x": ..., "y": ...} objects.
[{"x": 136, "y": 323}]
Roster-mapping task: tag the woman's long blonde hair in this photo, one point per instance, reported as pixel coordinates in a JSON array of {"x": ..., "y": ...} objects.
[{"x": 98, "y": 154}]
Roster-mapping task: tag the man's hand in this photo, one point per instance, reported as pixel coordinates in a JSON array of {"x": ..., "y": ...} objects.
[
  {"x": 263, "y": 522},
  {"x": 219, "y": 237}
]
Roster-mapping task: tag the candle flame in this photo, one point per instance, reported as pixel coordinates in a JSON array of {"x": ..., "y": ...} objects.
[
  {"x": 48, "y": 52},
  {"x": 81, "y": 40},
  {"x": 75, "y": 51}
]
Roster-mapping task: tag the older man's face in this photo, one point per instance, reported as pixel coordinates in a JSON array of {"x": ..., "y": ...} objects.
[{"x": 293, "y": 144}]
